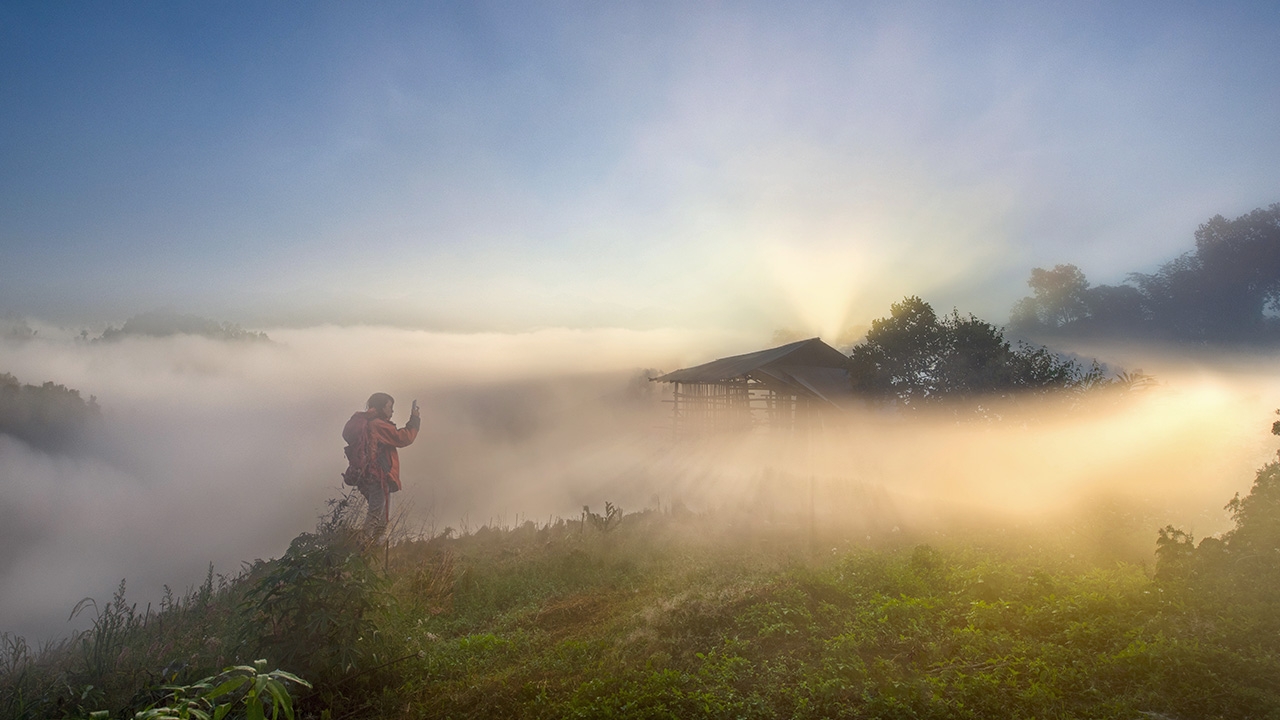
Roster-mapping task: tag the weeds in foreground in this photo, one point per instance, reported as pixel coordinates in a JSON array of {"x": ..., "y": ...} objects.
[
  {"x": 124, "y": 656},
  {"x": 312, "y": 609},
  {"x": 214, "y": 698},
  {"x": 669, "y": 615}
]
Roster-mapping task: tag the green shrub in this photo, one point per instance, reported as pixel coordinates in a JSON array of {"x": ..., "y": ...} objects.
[
  {"x": 313, "y": 608},
  {"x": 217, "y": 697}
]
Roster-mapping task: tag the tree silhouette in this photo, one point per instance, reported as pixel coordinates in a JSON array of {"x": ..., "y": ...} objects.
[
  {"x": 1223, "y": 290},
  {"x": 1226, "y": 290},
  {"x": 1243, "y": 564},
  {"x": 1060, "y": 298},
  {"x": 50, "y": 417},
  {"x": 916, "y": 358}
]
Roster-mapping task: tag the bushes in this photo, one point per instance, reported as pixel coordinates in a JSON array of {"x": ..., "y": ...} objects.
[
  {"x": 312, "y": 609},
  {"x": 216, "y": 697},
  {"x": 1244, "y": 564},
  {"x": 121, "y": 660}
]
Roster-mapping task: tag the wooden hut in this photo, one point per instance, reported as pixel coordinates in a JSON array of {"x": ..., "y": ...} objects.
[{"x": 780, "y": 388}]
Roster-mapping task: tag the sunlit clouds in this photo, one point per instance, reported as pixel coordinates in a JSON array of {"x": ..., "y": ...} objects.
[{"x": 220, "y": 451}]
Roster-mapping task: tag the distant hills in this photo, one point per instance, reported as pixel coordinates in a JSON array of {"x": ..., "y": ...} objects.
[
  {"x": 49, "y": 417},
  {"x": 165, "y": 324}
]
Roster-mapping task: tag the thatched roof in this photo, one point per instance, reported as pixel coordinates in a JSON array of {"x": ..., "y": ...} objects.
[{"x": 808, "y": 367}]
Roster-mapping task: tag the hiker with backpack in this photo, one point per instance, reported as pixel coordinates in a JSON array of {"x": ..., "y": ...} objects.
[{"x": 373, "y": 465}]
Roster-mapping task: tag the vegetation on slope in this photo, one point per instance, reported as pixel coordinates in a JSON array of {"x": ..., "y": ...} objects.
[
  {"x": 50, "y": 417},
  {"x": 666, "y": 615}
]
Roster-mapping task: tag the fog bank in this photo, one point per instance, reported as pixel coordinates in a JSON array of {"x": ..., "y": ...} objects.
[{"x": 223, "y": 452}]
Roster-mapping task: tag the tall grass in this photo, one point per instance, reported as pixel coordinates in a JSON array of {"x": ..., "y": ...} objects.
[{"x": 664, "y": 614}]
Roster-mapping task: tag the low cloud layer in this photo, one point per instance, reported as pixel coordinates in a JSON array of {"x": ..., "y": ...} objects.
[{"x": 221, "y": 452}]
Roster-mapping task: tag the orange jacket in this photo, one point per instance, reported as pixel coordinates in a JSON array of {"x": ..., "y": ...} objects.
[{"x": 386, "y": 437}]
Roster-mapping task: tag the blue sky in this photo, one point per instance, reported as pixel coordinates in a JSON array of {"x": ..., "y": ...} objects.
[{"x": 502, "y": 166}]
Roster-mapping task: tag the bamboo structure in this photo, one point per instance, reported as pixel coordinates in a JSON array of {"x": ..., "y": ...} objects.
[{"x": 777, "y": 390}]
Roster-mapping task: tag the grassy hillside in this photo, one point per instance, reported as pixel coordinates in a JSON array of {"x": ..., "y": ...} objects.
[{"x": 674, "y": 616}]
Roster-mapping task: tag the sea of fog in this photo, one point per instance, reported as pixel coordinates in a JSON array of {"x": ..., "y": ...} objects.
[{"x": 218, "y": 452}]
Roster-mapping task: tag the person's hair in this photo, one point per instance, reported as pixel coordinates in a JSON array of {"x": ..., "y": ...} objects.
[{"x": 379, "y": 401}]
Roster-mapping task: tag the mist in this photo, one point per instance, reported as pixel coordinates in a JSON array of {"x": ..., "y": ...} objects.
[{"x": 219, "y": 452}]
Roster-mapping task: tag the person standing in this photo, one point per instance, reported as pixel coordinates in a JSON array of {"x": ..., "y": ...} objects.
[{"x": 374, "y": 463}]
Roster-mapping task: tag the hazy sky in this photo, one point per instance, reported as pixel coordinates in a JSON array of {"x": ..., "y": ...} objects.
[
  {"x": 624, "y": 184},
  {"x": 462, "y": 166}
]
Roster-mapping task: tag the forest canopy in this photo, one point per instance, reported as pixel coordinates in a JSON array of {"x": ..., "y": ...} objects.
[
  {"x": 49, "y": 417},
  {"x": 917, "y": 358},
  {"x": 164, "y": 324},
  {"x": 1226, "y": 291}
]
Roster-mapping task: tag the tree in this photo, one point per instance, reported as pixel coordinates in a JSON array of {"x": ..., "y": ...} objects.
[
  {"x": 916, "y": 358},
  {"x": 1114, "y": 309},
  {"x": 901, "y": 354},
  {"x": 1226, "y": 290},
  {"x": 16, "y": 329},
  {"x": 1244, "y": 564},
  {"x": 1060, "y": 293},
  {"x": 1059, "y": 299},
  {"x": 1223, "y": 290}
]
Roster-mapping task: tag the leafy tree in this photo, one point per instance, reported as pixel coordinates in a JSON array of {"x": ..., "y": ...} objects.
[
  {"x": 1173, "y": 300},
  {"x": 916, "y": 358},
  {"x": 901, "y": 354},
  {"x": 1226, "y": 290},
  {"x": 1059, "y": 298},
  {"x": 1114, "y": 309},
  {"x": 1244, "y": 564}
]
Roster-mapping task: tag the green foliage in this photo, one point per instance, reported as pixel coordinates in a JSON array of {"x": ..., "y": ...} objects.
[
  {"x": 114, "y": 625},
  {"x": 313, "y": 608},
  {"x": 917, "y": 358},
  {"x": 607, "y": 522},
  {"x": 670, "y": 615},
  {"x": 1060, "y": 298},
  {"x": 1175, "y": 553},
  {"x": 217, "y": 697},
  {"x": 114, "y": 664},
  {"x": 1257, "y": 519},
  {"x": 920, "y": 632},
  {"x": 1244, "y": 564},
  {"x": 1227, "y": 290}
]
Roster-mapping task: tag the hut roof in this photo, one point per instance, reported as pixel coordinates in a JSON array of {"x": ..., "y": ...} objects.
[{"x": 808, "y": 367}]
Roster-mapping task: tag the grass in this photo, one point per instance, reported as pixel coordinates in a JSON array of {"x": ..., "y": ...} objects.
[{"x": 671, "y": 616}]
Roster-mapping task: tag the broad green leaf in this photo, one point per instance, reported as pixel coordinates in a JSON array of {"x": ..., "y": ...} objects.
[
  {"x": 280, "y": 699},
  {"x": 290, "y": 677},
  {"x": 229, "y": 686},
  {"x": 253, "y": 711}
]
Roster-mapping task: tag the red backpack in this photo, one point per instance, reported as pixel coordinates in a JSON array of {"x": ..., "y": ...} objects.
[{"x": 361, "y": 451}]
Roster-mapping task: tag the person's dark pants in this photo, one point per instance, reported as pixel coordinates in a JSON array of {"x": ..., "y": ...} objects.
[{"x": 378, "y": 500}]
